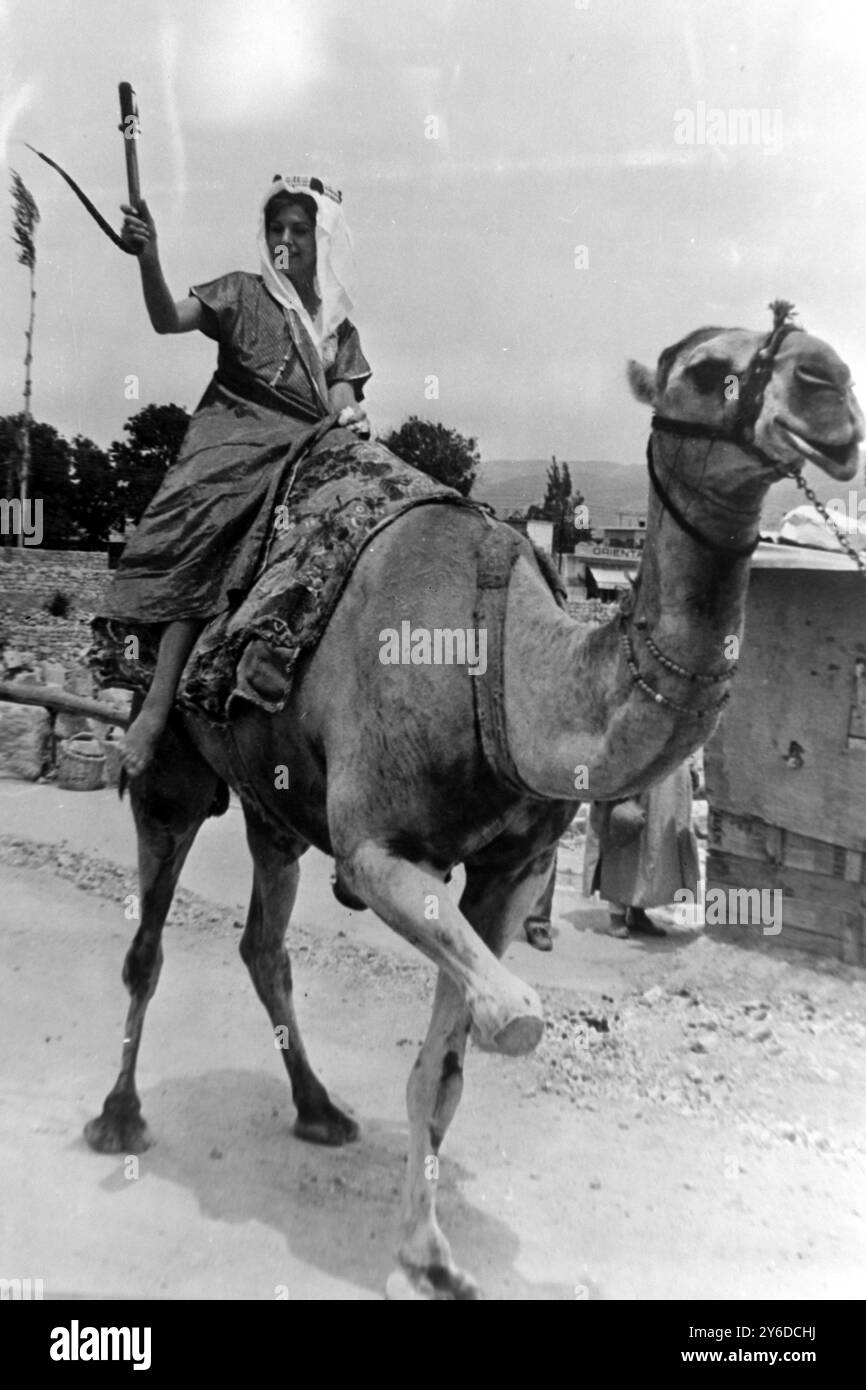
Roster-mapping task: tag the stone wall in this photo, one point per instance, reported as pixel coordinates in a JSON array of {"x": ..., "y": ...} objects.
[
  {"x": 590, "y": 610},
  {"x": 29, "y": 578}
]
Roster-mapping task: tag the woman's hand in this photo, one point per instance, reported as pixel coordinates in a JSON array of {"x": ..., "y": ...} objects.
[
  {"x": 353, "y": 417},
  {"x": 139, "y": 230}
]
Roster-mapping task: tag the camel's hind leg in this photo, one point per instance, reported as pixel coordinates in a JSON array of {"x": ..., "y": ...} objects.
[
  {"x": 170, "y": 800},
  {"x": 275, "y": 883},
  {"x": 497, "y": 902}
]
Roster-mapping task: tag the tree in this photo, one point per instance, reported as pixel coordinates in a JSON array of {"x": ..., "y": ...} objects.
[
  {"x": 560, "y": 501},
  {"x": 26, "y": 216},
  {"x": 443, "y": 454},
  {"x": 96, "y": 506},
  {"x": 50, "y": 476},
  {"x": 141, "y": 461}
]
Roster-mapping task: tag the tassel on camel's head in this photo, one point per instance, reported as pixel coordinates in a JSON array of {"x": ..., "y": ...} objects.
[{"x": 783, "y": 312}]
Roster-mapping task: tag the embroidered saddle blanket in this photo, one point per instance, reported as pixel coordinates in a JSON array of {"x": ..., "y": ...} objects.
[{"x": 335, "y": 500}]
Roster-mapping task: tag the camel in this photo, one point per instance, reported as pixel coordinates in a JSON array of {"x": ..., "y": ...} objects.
[{"x": 394, "y": 773}]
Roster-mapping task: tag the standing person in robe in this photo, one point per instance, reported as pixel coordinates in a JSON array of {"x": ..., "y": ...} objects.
[{"x": 640, "y": 851}]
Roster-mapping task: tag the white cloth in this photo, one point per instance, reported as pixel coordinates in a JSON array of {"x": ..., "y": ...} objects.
[
  {"x": 804, "y": 526},
  {"x": 334, "y": 265}
]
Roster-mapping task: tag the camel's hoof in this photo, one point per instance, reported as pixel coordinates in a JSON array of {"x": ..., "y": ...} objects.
[
  {"x": 329, "y": 1126},
  {"x": 117, "y": 1133},
  {"x": 519, "y": 1036},
  {"x": 509, "y": 1021},
  {"x": 436, "y": 1284}
]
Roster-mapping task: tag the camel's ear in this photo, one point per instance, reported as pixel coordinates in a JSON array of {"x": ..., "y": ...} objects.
[{"x": 642, "y": 382}]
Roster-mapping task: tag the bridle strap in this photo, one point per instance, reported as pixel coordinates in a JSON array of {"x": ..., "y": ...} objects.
[
  {"x": 691, "y": 429},
  {"x": 751, "y": 395},
  {"x": 734, "y": 552}
]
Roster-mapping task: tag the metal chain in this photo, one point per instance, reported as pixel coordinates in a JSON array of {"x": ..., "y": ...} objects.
[{"x": 826, "y": 516}]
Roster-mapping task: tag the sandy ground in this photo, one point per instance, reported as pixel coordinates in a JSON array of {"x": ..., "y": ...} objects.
[{"x": 690, "y": 1127}]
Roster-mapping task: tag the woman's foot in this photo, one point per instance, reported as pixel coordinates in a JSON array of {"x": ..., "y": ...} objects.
[
  {"x": 139, "y": 746},
  {"x": 617, "y": 926},
  {"x": 636, "y": 920}
]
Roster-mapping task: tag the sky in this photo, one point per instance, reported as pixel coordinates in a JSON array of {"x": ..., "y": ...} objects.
[{"x": 537, "y": 191}]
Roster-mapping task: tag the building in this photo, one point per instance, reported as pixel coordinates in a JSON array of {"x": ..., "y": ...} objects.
[{"x": 605, "y": 566}]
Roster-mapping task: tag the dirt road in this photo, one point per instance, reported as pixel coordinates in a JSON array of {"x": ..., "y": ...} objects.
[{"x": 690, "y": 1127}]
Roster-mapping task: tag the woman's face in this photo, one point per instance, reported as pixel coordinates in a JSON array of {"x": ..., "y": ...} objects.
[{"x": 291, "y": 238}]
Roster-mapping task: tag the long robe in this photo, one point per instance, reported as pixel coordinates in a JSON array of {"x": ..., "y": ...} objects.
[
  {"x": 196, "y": 549},
  {"x": 662, "y": 858}
]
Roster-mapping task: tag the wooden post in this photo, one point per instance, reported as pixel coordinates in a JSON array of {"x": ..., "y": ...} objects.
[
  {"x": 24, "y": 480},
  {"x": 52, "y": 697}
]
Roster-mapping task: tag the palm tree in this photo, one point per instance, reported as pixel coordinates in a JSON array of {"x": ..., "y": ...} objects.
[{"x": 26, "y": 216}]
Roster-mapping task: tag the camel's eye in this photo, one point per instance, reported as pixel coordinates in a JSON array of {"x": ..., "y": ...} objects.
[
  {"x": 709, "y": 375},
  {"x": 814, "y": 379}
]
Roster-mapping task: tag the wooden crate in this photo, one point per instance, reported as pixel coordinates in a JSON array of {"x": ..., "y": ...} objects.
[
  {"x": 786, "y": 768},
  {"x": 823, "y": 910}
]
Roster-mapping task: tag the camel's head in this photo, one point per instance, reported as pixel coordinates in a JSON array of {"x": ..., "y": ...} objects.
[{"x": 784, "y": 396}]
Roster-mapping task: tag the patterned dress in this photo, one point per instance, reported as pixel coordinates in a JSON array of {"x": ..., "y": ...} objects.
[{"x": 198, "y": 545}]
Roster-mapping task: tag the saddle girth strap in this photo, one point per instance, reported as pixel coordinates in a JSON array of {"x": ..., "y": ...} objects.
[{"x": 497, "y": 555}]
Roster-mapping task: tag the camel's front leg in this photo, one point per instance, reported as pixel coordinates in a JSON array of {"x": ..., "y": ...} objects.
[
  {"x": 426, "y": 1269},
  {"x": 496, "y": 899},
  {"x": 409, "y": 897}
]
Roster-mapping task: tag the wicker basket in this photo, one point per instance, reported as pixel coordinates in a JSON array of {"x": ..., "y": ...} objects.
[{"x": 81, "y": 763}]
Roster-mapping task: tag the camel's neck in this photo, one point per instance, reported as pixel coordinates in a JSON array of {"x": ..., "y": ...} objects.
[{"x": 579, "y": 725}]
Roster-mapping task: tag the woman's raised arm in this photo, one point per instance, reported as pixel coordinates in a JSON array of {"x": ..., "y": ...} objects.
[{"x": 166, "y": 314}]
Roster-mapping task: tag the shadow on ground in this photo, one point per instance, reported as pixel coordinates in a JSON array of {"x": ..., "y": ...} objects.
[{"x": 225, "y": 1136}]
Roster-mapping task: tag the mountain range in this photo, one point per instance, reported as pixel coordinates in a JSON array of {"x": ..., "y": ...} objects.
[{"x": 619, "y": 490}]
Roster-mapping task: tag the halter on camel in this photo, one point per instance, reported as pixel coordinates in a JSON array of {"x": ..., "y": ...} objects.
[
  {"x": 749, "y": 406},
  {"x": 742, "y": 434}
]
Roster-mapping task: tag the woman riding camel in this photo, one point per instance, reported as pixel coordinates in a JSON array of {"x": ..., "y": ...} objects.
[{"x": 289, "y": 359}]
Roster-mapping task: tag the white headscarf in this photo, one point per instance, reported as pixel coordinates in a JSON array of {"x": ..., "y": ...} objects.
[{"x": 334, "y": 263}]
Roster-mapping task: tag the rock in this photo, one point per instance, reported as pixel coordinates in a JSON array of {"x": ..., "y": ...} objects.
[
  {"x": 53, "y": 673},
  {"x": 652, "y": 996},
  {"x": 65, "y": 724},
  {"x": 25, "y": 732},
  {"x": 115, "y": 695},
  {"x": 79, "y": 681},
  {"x": 760, "y": 1035}
]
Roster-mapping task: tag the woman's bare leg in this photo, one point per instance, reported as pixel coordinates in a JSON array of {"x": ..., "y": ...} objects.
[{"x": 175, "y": 645}]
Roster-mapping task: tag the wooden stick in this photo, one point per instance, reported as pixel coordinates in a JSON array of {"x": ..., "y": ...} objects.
[
  {"x": 53, "y": 697},
  {"x": 130, "y": 127}
]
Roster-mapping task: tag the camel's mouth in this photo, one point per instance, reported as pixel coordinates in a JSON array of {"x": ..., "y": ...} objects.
[{"x": 839, "y": 460}]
